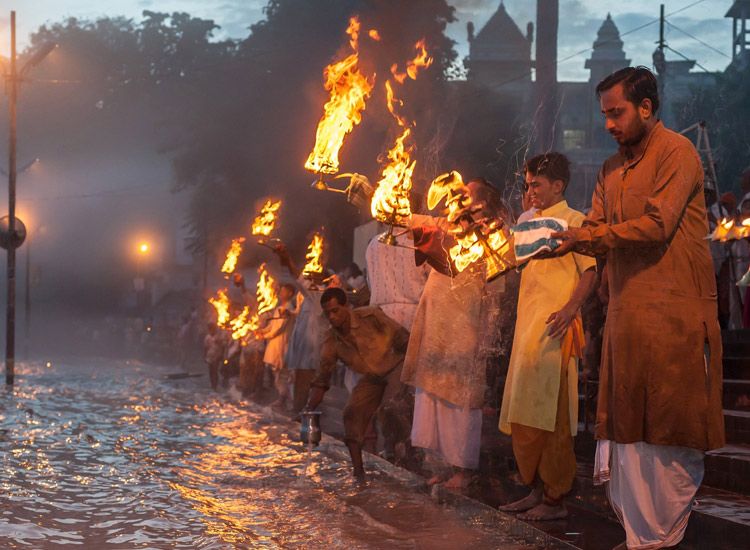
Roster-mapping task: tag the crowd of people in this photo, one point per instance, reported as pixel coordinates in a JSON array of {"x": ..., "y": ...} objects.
[{"x": 419, "y": 348}]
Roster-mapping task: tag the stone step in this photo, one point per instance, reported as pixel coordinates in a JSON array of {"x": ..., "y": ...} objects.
[
  {"x": 736, "y": 394},
  {"x": 728, "y": 469},
  {"x": 737, "y": 424},
  {"x": 737, "y": 367}
]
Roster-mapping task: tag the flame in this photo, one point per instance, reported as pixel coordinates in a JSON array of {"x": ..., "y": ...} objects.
[
  {"x": 314, "y": 253},
  {"x": 265, "y": 222},
  {"x": 349, "y": 90},
  {"x": 230, "y": 264},
  {"x": 728, "y": 230},
  {"x": 265, "y": 291},
  {"x": 244, "y": 324},
  {"x": 374, "y": 34},
  {"x": 421, "y": 61},
  {"x": 390, "y": 201},
  {"x": 476, "y": 242},
  {"x": 221, "y": 305}
]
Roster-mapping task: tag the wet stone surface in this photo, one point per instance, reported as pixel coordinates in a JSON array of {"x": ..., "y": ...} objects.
[{"x": 117, "y": 455}]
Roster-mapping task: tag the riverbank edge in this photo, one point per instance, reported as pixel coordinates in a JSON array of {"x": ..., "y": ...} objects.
[{"x": 462, "y": 503}]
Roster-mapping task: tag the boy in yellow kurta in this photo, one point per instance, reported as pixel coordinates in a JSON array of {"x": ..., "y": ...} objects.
[{"x": 539, "y": 408}]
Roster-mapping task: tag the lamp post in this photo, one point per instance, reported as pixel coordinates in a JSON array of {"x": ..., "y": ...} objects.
[{"x": 13, "y": 78}]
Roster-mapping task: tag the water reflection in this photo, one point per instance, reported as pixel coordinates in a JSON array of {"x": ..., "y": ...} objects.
[{"x": 114, "y": 455}]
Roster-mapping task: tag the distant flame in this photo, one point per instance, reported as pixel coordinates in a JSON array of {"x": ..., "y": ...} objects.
[
  {"x": 242, "y": 325},
  {"x": 265, "y": 222},
  {"x": 349, "y": 90},
  {"x": 421, "y": 61},
  {"x": 314, "y": 253},
  {"x": 221, "y": 305},
  {"x": 390, "y": 201},
  {"x": 728, "y": 230},
  {"x": 230, "y": 264},
  {"x": 374, "y": 34},
  {"x": 265, "y": 291}
]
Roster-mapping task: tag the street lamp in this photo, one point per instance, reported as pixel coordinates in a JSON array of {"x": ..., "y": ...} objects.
[{"x": 13, "y": 78}]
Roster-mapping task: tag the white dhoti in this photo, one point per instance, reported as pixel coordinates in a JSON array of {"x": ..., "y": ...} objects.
[
  {"x": 452, "y": 431},
  {"x": 651, "y": 489}
]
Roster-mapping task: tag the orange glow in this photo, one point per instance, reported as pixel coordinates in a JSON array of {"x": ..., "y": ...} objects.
[
  {"x": 265, "y": 222},
  {"x": 314, "y": 253},
  {"x": 221, "y": 305},
  {"x": 349, "y": 90},
  {"x": 374, "y": 34},
  {"x": 143, "y": 248},
  {"x": 230, "y": 264}
]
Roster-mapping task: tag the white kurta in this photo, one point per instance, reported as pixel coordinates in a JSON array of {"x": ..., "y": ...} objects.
[
  {"x": 277, "y": 334},
  {"x": 395, "y": 282},
  {"x": 651, "y": 489}
]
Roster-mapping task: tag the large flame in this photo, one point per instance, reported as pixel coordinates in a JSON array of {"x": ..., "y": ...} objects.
[
  {"x": 221, "y": 305},
  {"x": 314, "y": 252},
  {"x": 265, "y": 222},
  {"x": 390, "y": 201},
  {"x": 230, "y": 264},
  {"x": 349, "y": 90}
]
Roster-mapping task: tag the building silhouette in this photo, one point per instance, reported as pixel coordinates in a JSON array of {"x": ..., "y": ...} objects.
[{"x": 500, "y": 60}]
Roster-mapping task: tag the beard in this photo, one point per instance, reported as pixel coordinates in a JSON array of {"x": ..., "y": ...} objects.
[{"x": 634, "y": 134}]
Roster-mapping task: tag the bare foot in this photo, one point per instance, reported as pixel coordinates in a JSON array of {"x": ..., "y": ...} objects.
[
  {"x": 544, "y": 512},
  {"x": 526, "y": 503},
  {"x": 434, "y": 480},
  {"x": 460, "y": 480}
]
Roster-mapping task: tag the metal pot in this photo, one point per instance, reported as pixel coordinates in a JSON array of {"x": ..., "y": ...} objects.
[{"x": 309, "y": 430}]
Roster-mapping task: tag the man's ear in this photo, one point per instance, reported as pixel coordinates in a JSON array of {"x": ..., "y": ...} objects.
[
  {"x": 559, "y": 186},
  {"x": 646, "y": 108}
]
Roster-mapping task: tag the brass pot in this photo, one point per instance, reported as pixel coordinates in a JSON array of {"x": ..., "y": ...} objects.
[{"x": 309, "y": 430}]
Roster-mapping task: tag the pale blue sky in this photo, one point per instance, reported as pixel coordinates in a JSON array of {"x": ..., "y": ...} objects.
[{"x": 579, "y": 21}]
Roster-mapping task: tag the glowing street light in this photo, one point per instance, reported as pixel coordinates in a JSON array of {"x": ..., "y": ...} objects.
[{"x": 143, "y": 248}]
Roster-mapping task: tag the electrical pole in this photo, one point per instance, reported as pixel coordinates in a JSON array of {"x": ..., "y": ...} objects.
[
  {"x": 10, "y": 327},
  {"x": 660, "y": 60},
  {"x": 27, "y": 298}
]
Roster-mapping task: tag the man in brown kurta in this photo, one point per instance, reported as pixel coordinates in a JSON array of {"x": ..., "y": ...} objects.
[
  {"x": 659, "y": 402},
  {"x": 371, "y": 344}
]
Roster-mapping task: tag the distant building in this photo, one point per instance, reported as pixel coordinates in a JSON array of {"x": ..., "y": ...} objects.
[{"x": 500, "y": 59}]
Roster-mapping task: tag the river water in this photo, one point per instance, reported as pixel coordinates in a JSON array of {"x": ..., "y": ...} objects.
[{"x": 107, "y": 454}]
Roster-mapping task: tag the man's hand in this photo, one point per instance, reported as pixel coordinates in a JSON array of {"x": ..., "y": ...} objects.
[
  {"x": 560, "y": 321},
  {"x": 282, "y": 252},
  {"x": 315, "y": 397},
  {"x": 568, "y": 242}
]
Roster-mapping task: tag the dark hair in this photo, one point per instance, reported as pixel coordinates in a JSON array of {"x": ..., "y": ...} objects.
[
  {"x": 354, "y": 269},
  {"x": 289, "y": 287},
  {"x": 333, "y": 293},
  {"x": 491, "y": 197},
  {"x": 638, "y": 83},
  {"x": 555, "y": 166}
]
